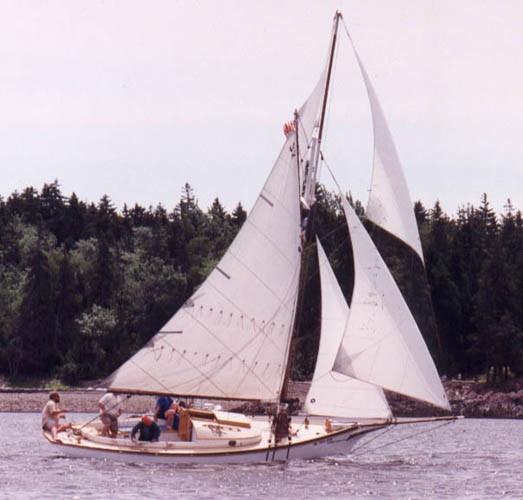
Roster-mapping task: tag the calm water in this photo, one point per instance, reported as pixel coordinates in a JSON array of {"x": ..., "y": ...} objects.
[{"x": 466, "y": 459}]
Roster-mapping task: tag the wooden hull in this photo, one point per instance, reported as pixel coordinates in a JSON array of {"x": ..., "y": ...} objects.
[{"x": 314, "y": 443}]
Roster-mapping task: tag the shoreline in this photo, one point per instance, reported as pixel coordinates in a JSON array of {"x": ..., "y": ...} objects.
[{"x": 468, "y": 398}]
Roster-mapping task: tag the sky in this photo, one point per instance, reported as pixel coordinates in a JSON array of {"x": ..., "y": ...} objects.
[{"x": 135, "y": 98}]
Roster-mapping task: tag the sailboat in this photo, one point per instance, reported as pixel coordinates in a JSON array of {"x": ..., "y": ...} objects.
[{"x": 231, "y": 340}]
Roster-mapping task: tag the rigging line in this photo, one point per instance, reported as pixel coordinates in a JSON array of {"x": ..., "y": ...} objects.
[
  {"x": 281, "y": 301},
  {"x": 335, "y": 230},
  {"x": 182, "y": 371},
  {"x": 194, "y": 366},
  {"x": 405, "y": 344},
  {"x": 238, "y": 259},
  {"x": 290, "y": 354},
  {"x": 294, "y": 323},
  {"x": 266, "y": 337},
  {"x": 321, "y": 142},
  {"x": 376, "y": 436},
  {"x": 310, "y": 249},
  {"x": 329, "y": 72},
  {"x": 159, "y": 382},
  {"x": 288, "y": 163},
  {"x": 271, "y": 319},
  {"x": 346, "y": 29},
  {"x": 196, "y": 382},
  {"x": 304, "y": 131},
  {"x": 188, "y": 369},
  {"x": 205, "y": 376},
  {"x": 410, "y": 436},
  {"x": 405, "y": 341},
  {"x": 249, "y": 369},
  {"x": 365, "y": 77},
  {"x": 269, "y": 240},
  {"x": 234, "y": 355},
  {"x": 332, "y": 174}
]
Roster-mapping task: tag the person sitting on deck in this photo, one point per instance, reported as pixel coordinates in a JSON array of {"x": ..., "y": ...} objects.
[
  {"x": 147, "y": 428},
  {"x": 163, "y": 403},
  {"x": 51, "y": 415},
  {"x": 110, "y": 407},
  {"x": 172, "y": 415}
]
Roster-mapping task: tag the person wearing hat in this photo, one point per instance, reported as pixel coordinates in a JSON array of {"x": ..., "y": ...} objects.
[
  {"x": 51, "y": 415},
  {"x": 147, "y": 428}
]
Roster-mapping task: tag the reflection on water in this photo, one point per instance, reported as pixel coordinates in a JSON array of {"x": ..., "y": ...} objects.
[{"x": 467, "y": 459}]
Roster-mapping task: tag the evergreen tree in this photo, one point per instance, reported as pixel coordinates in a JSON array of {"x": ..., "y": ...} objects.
[
  {"x": 445, "y": 293},
  {"x": 238, "y": 215},
  {"x": 83, "y": 285},
  {"x": 36, "y": 328},
  {"x": 52, "y": 210},
  {"x": 68, "y": 304}
]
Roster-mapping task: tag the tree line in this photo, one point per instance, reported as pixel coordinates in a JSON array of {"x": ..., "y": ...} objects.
[{"x": 83, "y": 285}]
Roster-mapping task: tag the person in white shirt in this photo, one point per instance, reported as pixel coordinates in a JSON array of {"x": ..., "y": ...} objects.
[
  {"x": 51, "y": 415},
  {"x": 110, "y": 407}
]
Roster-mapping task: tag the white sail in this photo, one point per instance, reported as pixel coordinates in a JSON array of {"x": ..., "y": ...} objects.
[
  {"x": 231, "y": 338},
  {"x": 332, "y": 393},
  {"x": 389, "y": 205},
  {"x": 382, "y": 344},
  {"x": 308, "y": 126}
]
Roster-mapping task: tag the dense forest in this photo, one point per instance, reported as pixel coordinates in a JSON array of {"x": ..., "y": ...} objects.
[{"x": 83, "y": 285}]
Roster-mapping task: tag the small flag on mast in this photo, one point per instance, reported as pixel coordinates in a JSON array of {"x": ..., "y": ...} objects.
[{"x": 288, "y": 128}]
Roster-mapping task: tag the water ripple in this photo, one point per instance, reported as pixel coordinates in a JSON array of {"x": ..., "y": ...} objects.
[{"x": 471, "y": 459}]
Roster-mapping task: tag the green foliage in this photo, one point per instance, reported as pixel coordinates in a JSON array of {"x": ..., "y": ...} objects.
[{"x": 82, "y": 286}]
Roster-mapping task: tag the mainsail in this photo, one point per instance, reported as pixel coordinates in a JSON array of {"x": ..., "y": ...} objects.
[
  {"x": 389, "y": 205},
  {"x": 332, "y": 393},
  {"x": 231, "y": 338},
  {"x": 381, "y": 343}
]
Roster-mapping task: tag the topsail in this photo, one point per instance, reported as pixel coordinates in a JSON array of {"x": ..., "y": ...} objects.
[{"x": 389, "y": 205}]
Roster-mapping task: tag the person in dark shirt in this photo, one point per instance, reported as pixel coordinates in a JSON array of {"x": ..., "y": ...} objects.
[
  {"x": 147, "y": 428},
  {"x": 172, "y": 415},
  {"x": 162, "y": 405}
]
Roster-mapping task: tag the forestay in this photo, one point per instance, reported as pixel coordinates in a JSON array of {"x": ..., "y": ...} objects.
[
  {"x": 389, "y": 205},
  {"x": 332, "y": 393},
  {"x": 381, "y": 343},
  {"x": 231, "y": 338}
]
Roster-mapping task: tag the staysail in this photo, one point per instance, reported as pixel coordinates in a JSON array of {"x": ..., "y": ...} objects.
[
  {"x": 332, "y": 393},
  {"x": 389, "y": 204},
  {"x": 231, "y": 338},
  {"x": 381, "y": 343}
]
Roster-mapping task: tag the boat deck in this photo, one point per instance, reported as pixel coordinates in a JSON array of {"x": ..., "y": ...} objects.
[{"x": 231, "y": 444}]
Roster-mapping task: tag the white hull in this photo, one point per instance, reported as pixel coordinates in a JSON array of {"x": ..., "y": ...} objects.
[{"x": 314, "y": 443}]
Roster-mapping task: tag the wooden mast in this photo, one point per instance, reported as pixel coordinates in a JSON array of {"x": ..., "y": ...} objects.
[{"x": 299, "y": 301}]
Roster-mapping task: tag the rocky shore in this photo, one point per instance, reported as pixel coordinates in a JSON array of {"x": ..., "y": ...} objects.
[{"x": 468, "y": 398}]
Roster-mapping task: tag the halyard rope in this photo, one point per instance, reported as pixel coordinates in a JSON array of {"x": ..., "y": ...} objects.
[{"x": 426, "y": 431}]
